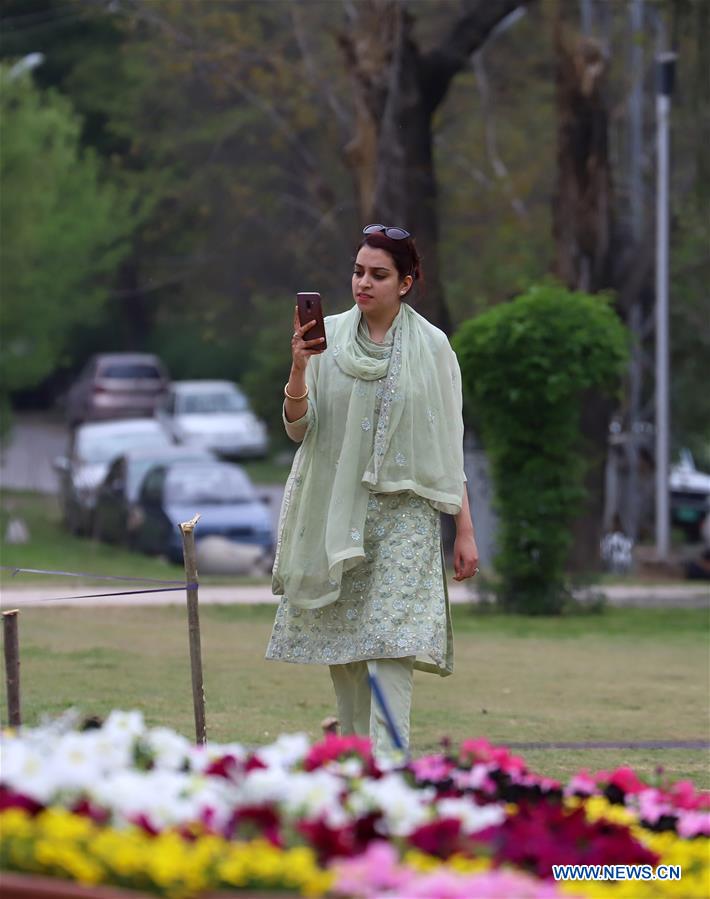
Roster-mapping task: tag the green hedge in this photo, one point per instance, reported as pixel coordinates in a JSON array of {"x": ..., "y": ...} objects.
[{"x": 525, "y": 365}]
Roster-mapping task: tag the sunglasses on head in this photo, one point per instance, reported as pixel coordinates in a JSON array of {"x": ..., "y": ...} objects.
[{"x": 393, "y": 233}]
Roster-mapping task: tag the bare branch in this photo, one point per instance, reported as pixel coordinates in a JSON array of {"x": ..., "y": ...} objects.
[
  {"x": 468, "y": 34},
  {"x": 499, "y": 167}
]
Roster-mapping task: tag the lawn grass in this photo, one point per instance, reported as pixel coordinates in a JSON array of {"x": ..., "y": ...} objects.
[
  {"x": 52, "y": 547},
  {"x": 630, "y": 674}
]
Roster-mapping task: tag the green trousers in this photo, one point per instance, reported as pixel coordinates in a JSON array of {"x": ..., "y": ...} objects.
[{"x": 360, "y": 713}]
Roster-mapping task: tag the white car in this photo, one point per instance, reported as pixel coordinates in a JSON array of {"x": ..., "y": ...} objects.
[
  {"x": 92, "y": 448},
  {"x": 214, "y": 415}
]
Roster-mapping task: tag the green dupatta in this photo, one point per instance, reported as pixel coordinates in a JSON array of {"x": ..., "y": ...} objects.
[{"x": 415, "y": 444}]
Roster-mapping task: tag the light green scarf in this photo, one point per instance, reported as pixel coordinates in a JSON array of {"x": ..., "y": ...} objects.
[{"x": 415, "y": 444}]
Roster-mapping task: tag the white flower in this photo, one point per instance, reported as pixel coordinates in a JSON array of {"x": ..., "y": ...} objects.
[
  {"x": 75, "y": 761},
  {"x": 473, "y": 817},
  {"x": 314, "y": 795},
  {"x": 130, "y": 723},
  {"x": 25, "y": 768},
  {"x": 264, "y": 785},
  {"x": 164, "y": 798},
  {"x": 286, "y": 751},
  {"x": 171, "y": 750},
  {"x": 404, "y": 809}
]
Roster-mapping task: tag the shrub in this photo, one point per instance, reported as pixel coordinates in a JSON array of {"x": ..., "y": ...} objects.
[{"x": 525, "y": 365}]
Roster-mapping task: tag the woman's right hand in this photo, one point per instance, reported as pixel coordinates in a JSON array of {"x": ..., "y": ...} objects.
[{"x": 302, "y": 350}]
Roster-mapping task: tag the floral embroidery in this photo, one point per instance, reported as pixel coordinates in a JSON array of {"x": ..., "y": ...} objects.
[
  {"x": 400, "y": 459},
  {"x": 391, "y": 605},
  {"x": 365, "y": 424},
  {"x": 355, "y": 535}
]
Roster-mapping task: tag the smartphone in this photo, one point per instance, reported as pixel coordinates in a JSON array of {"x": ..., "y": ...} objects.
[{"x": 310, "y": 309}]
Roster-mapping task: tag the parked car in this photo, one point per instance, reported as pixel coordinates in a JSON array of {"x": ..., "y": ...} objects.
[
  {"x": 214, "y": 415},
  {"x": 220, "y": 491},
  {"x": 690, "y": 495},
  {"x": 91, "y": 449},
  {"x": 116, "y": 512},
  {"x": 117, "y": 385}
]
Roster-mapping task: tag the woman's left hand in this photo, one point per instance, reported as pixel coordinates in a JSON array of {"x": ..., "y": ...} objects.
[{"x": 465, "y": 557}]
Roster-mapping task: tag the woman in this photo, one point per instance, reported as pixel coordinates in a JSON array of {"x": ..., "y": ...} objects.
[{"x": 358, "y": 561}]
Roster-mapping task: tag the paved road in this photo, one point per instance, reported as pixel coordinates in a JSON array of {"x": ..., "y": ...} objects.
[
  {"x": 26, "y": 463},
  {"x": 45, "y": 596}
]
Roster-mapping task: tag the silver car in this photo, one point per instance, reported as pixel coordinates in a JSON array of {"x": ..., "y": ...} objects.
[
  {"x": 92, "y": 447},
  {"x": 117, "y": 385},
  {"x": 214, "y": 415}
]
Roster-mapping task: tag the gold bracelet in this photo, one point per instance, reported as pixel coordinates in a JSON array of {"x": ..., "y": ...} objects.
[{"x": 294, "y": 398}]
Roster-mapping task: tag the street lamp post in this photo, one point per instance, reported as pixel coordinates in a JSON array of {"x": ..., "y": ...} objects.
[{"x": 666, "y": 71}]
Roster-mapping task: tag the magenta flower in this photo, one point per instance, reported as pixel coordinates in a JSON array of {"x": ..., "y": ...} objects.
[{"x": 334, "y": 748}]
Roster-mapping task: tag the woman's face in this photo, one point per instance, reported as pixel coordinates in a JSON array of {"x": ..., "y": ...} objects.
[{"x": 377, "y": 287}]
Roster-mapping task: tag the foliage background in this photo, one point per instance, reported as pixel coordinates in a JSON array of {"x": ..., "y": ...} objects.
[{"x": 222, "y": 128}]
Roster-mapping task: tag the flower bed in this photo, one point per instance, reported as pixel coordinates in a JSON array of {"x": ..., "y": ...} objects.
[{"x": 143, "y": 808}]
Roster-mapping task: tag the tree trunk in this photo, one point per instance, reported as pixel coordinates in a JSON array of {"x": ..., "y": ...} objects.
[
  {"x": 582, "y": 227},
  {"x": 396, "y": 91}
]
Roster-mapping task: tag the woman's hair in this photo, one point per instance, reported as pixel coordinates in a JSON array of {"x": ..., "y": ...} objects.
[{"x": 403, "y": 252}]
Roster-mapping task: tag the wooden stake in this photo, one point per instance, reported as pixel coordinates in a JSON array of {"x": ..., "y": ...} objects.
[
  {"x": 193, "y": 623},
  {"x": 12, "y": 667}
]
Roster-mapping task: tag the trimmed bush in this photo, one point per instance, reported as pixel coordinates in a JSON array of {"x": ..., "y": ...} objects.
[{"x": 525, "y": 365}]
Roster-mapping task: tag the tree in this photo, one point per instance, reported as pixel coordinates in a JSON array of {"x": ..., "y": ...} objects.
[
  {"x": 397, "y": 90},
  {"x": 63, "y": 231}
]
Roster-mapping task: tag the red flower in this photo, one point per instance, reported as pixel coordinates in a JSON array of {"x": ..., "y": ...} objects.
[
  {"x": 331, "y": 842},
  {"x": 544, "y": 834},
  {"x": 88, "y": 810},
  {"x": 227, "y": 767},
  {"x": 440, "y": 838},
  {"x": 255, "y": 820},
  {"x": 11, "y": 799}
]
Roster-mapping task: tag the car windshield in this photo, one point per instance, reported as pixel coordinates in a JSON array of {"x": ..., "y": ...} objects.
[
  {"x": 139, "y": 468},
  {"x": 212, "y": 403},
  {"x": 203, "y": 484},
  {"x": 129, "y": 370},
  {"x": 104, "y": 447}
]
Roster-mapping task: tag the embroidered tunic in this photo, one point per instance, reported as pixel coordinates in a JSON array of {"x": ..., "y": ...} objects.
[{"x": 392, "y": 604}]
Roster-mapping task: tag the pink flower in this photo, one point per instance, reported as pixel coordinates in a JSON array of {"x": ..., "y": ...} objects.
[
  {"x": 652, "y": 806},
  {"x": 491, "y": 885},
  {"x": 432, "y": 768},
  {"x": 684, "y": 795},
  {"x": 582, "y": 784},
  {"x": 476, "y": 779},
  {"x": 480, "y": 750},
  {"x": 694, "y": 824},
  {"x": 374, "y": 870}
]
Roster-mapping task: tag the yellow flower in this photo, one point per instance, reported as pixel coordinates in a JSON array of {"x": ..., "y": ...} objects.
[{"x": 15, "y": 822}]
